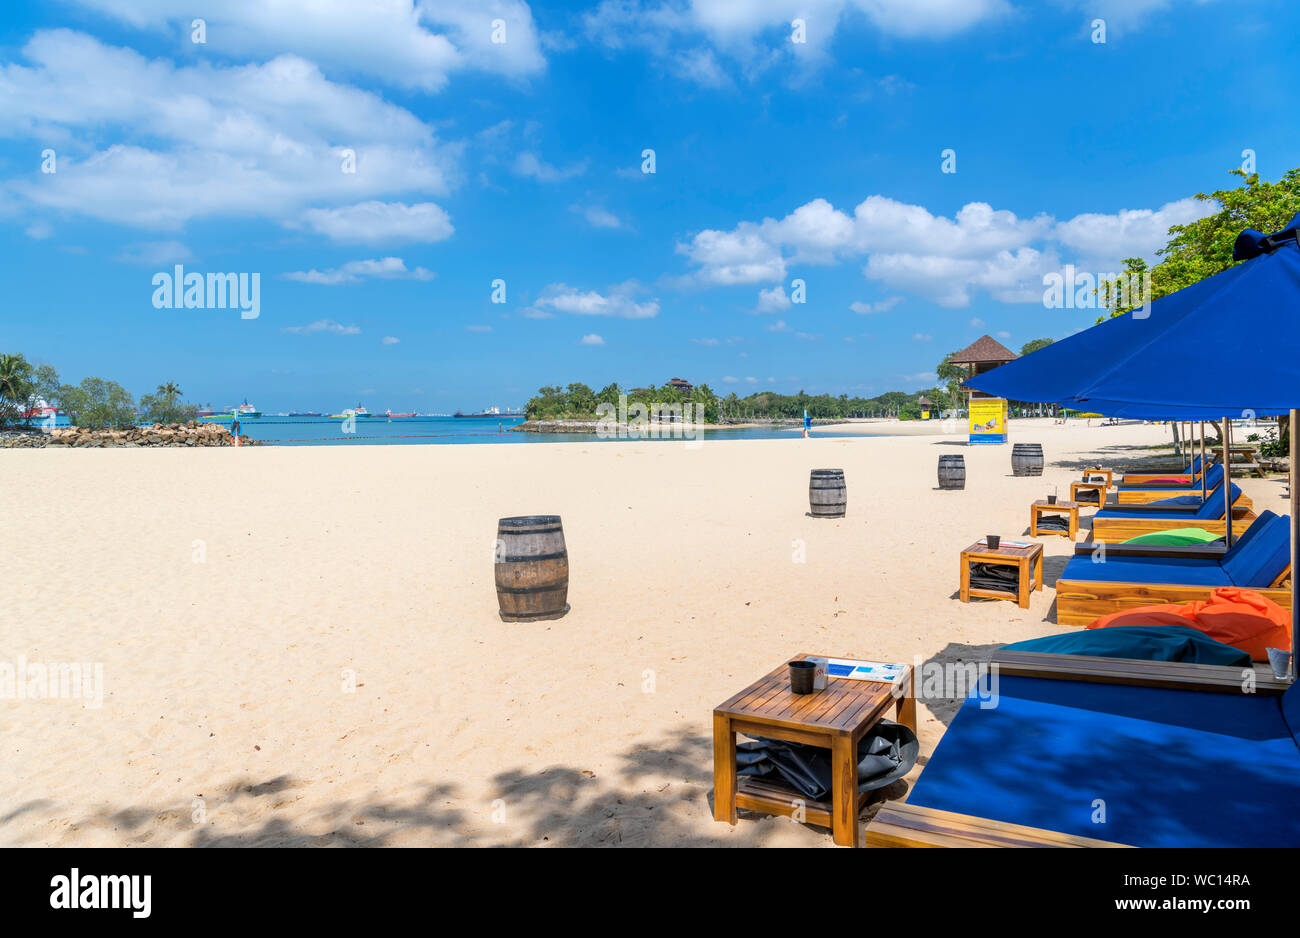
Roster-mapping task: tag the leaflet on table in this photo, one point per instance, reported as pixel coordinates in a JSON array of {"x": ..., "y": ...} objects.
[{"x": 865, "y": 670}]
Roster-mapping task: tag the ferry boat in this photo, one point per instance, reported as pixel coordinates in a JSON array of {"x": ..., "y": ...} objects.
[
  {"x": 246, "y": 411},
  {"x": 491, "y": 412},
  {"x": 357, "y": 411}
]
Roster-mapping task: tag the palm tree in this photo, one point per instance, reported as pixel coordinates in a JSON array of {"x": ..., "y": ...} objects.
[
  {"x": 15, "y": 385},
  {"x": 170, "y": 390}
]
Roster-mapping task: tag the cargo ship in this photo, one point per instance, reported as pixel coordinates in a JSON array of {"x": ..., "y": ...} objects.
[{"x": 489, "y": 413}]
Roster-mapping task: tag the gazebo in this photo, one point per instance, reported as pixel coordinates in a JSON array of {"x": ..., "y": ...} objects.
[
  {"x": 927, "y": 405},
  {"x": 984, "y": 354},
  {"x": 988, "y": 414}
]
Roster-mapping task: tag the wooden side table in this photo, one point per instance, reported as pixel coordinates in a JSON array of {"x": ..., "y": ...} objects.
[
  {"x": 1108, "y": 474},
  {"x": 1028, "y": 562},
  {"x": 1044, "y": 507},
  {"x": 835, "y": 718},
  {"x": 1099, "y": 487}
]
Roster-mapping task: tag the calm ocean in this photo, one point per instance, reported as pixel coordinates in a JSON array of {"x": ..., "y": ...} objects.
[{"x": 318, "y": 431}]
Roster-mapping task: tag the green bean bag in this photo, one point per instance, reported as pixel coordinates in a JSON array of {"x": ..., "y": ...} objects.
[{"x": 1176, "y": 537}]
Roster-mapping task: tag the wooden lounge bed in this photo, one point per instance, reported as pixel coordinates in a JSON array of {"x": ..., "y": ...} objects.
[
  {"x": 1146, "y": 686},
  {"x": 1102, "y": 579},
  {"x": 1121, "y": 529},
  {"x": 1121, "y": 522},
  {"x": 1145, "y": 493},
  {"x": 1192, "y": 473}
]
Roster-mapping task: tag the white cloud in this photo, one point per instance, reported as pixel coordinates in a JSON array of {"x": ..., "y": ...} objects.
[
  {"x": 598, "y": 216},
  {"x": 911, "y": 250},
  {"x": 778, "y": 326},
  {"x": 689, "y": 38},
  {"x": 375, "y": 222},
  {"x": 591, "y": 339},
  {"x": 384, "y": 268},
  {"x": 977, "y": 323},
  {"x": 730, "y": 379},
  {"x": 1129, "y": 232},
  {"x": 322, "y": 325},
  {"x": 1125, "y": 15},
  {"x": 39, "y": 230},
  {"x": 773, "y": 300},
  {"x": 530, "y": 165},
  {"x": 478, "y": 328},
  {"x": 618, "y": 301},
  {"x": 205, "y": 141},
  {"x": 883, "y": 306},
  {"x": 404, "y": 43},
  {"x": 922, "y": 337},
  {"x": 389, "y": 340},
  {"x": 155, "y": 253}
]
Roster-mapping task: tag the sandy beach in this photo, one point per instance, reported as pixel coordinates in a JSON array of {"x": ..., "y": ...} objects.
[{"x": 300, "y": 645}]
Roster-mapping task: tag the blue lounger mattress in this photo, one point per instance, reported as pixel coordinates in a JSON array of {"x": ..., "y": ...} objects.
[
  {"x": 1212, "y": 479},
  {"x": 1256, "y": 560},
  {"x": 1168, "y": 768}
]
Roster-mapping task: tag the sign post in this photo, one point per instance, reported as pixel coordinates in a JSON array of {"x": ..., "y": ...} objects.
[{"x": 988, "y": 420}]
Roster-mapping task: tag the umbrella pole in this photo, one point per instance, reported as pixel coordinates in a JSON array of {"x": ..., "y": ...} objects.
[
  {"x": 1295, "y": 549},
  {"x": 1227, "y": 480},
  {"x": 1204, "y": 494}
]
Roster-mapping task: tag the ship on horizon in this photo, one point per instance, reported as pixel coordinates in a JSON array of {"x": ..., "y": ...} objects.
[{"x": 490, "y": 412}]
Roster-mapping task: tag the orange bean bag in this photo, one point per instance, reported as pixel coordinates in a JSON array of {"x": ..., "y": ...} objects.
[{"x": 1238, "y": 617}]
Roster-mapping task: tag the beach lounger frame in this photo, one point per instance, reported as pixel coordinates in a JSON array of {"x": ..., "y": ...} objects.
[
  {"x": 898, "y": 824},
  {"x": 1167, "y": 519},
  {"x": 1081, "y": 602}
]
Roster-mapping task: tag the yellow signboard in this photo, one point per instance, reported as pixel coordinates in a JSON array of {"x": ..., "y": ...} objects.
[{"x": 988, "y": 420}]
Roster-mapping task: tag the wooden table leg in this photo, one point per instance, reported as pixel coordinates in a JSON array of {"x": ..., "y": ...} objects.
[
  {"x": 1074, "y": 523},
  {"x": 1033, "y": 521},
  {"x": 1023, "y": 584},
  {"x": 724, "y": 770},
  {"x": 844, "y": 792},
  {"x": 1038, "y": 571},
  {"x": 905, "y": 711},
  {"x": 964, "y": 589}
]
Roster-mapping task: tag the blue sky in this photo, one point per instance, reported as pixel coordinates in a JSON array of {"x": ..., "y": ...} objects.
[{"x": 521, "y": 160}]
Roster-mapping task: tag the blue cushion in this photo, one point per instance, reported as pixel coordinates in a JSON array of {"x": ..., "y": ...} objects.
[
  {"x": 1212, "y": 479},
  {"x": 1144, "y": 642},
  {"x": 1189, "y": 572},
  {"x": 1257, "y": 561},
  {"x": 1160, "y": 762}
]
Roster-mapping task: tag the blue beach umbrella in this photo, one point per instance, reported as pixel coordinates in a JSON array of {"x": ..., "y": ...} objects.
[{"x": 1228, "y": 346}]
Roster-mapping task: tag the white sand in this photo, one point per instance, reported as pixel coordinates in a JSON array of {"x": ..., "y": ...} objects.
[{"x": 224, "y": 699}]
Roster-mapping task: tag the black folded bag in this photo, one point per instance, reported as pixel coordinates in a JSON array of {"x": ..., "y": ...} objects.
[
  {"x": 886, "y": 753},
  {"x": 1053, "y": 523},
  {"x": 995, "y": 576}
]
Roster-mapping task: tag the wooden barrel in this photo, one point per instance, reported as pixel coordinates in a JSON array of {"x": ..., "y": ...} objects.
[
  {"x": 952, "y": 472},
  {"x": 827, "y": 496},
  {"x": 1027, "y": 459},
  {"x": 532, "y": 568}
]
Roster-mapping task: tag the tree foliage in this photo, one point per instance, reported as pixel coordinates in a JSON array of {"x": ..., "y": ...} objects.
[
  {"x": 1203, "y": 248},
  {"x": 97, "y": 403},
  {"x": 166, "y": 406}
]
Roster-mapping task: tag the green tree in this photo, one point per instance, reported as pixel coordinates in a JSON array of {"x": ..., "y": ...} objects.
[
  {"x": 97, "y": 403},
  {"x": 1030, "y": 347},
  {"x": 1203, "y": 248},
  {"x": 17, "y": 388}
]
